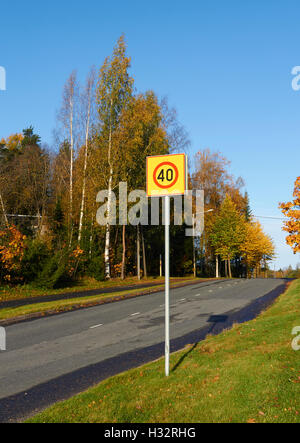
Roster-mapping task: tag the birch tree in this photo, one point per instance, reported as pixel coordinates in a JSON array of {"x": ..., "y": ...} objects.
[
  {"x": 68, "y": 118},
  {"x": 113, "y": 94},
  {"x": 87, "y": 116}
]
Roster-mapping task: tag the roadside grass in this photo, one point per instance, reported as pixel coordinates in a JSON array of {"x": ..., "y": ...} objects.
[
  {"x": 65, "y": 305},
  {"x": 27, "y": 291},
  {"x": 247, "y": 374}
]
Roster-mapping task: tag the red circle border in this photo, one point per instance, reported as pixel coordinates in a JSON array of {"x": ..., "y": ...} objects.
[{"x": 176, "y": 175}]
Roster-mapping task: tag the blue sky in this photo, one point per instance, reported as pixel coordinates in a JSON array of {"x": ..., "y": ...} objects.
[{"x": 225, "y": 65}]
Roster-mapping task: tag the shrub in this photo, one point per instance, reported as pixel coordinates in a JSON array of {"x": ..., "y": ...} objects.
[
  {"x": 54, "y": 273},
  {"x": 34, "y": 259},
  {"x": 95, "y": 268},
  {"x": 60, "y": 269},
  {"x": 12, "y": 248}
]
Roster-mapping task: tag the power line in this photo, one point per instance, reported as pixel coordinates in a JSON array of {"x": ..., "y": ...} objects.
[{"x": 273, "y": 218}]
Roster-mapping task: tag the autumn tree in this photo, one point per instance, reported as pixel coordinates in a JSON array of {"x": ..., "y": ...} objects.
[
  {"x": 68, "y": 119},
  {"x": 292, "y": 211},
  {"x": 113, "y": 94},
  {"x": 141, "y": 133},
  {"x": 257, "y": 247},
  {"x": 87, "y": 108},
  {"x": 228, "y": 232},
  {"x": 211, "y": 174}
]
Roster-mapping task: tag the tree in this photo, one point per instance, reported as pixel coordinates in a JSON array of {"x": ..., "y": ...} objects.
[
  {"x": 211, "y": 175},
  {"x": 29, "y": 138},
  {"x": 257, "y": 247},
  {"x": 140, "y": 134},
  {"x": 87, "y": 114},
  {"x": 292, "y": 211},
  {"x": 68, "y": 117},
  {"x": 228, "y": 232},
  {"x": 113, "y": 94}
]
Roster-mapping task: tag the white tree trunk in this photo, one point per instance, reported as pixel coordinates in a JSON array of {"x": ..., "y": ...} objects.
[
  {"x": 71, "y": 168},
  {"x": 107, "y": 233},
  {"x": 84, "y": 179},
  {"x": 3, "y": 210},
  {"x": 217, "y": 266}
]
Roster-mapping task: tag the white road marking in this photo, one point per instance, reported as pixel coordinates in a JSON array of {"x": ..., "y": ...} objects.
[
  {"x": 182, "y": 299},
  {"x": 136, "y": 313},
  {"x": 96, "y": 326}
]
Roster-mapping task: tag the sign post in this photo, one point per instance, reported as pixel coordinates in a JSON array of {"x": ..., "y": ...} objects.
[
  {"x": 166, "y": 176},
  {"x": 167, "y": 284}
]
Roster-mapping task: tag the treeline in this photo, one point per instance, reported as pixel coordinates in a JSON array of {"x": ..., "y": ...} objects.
[{"x": 104, "y": 132}]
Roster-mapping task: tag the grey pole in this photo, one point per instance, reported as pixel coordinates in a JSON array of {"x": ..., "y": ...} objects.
[{"x": 167, "y": 285}]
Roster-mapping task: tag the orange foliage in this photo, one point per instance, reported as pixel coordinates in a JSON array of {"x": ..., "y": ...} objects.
[
  {"x": 12, "y": 249},
  {"x": 292, "y": 211}
]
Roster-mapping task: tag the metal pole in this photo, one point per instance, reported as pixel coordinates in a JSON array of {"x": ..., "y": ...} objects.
[
  {"x": 138, "y": 254},
  {"x": 167, "y": 285},
  {"x": 194, "y": 249}
]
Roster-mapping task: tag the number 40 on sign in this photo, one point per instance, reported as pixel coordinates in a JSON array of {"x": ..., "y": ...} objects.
[{"x": 166, "y": 175}]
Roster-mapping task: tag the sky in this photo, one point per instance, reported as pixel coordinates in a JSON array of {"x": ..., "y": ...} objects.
[{"x": 225, "y": 65}]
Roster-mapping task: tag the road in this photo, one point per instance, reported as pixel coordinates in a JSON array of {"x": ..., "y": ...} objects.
[{"x": 51, "y": 358}]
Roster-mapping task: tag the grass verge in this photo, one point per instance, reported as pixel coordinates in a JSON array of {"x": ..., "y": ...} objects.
[
  {"x": 14, "y": 314},
  {"x": 66, "y": 305},
  {"x": 27, "y": 291},
  {"x": 247, "y": 374}
]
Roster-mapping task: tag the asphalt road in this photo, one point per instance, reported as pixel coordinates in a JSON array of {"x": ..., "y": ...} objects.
[{"x": 51, "y": 358}]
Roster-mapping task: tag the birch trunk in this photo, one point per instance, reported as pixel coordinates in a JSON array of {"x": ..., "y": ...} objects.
[
  {"x": 71, "y": 169},
  {"x": 217, "y": 266},
  {"x": 3, "y": 210},
  {"x": 84, "y": 177},
  {"x": 107, "y": 233}
]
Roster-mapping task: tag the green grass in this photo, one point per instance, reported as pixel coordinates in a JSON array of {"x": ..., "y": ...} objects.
[
  {"x": 247, "y": 374},
  {"x": 65, "y": 305},
  {"x": 62, "y": 305},
  {"x": 27, "y": 291}
]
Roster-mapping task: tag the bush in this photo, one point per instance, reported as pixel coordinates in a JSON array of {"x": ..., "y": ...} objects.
[
  {"x": 55, "y": 272},
  {"x": 95, "y": 268},
  {"x": 34, "y": 259},
  {"x": 12, "y": 249}
]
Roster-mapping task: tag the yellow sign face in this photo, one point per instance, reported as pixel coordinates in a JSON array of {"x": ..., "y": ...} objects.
[{"x": 166, "y": 175}]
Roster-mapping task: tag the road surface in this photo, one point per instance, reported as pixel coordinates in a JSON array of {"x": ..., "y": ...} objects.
[{"x": 52, "y": 358}]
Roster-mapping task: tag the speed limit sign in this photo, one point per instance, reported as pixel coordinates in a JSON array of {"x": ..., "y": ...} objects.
[{"x": 166, "y": 175}]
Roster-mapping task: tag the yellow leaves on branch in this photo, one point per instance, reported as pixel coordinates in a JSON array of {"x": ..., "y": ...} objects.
[
  {"x": 256, "y": 245},
  {"x": 292, "y": 211},
  {"x": 12, "y": 247}
]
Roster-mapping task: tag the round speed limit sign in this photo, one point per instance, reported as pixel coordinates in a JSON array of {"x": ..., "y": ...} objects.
[{"x": 166, "y": 175}]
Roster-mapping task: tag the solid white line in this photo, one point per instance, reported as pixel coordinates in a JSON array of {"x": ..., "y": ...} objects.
[
  {"x": 136, "y": 313},
  {"x": 96, "y": 326}
]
